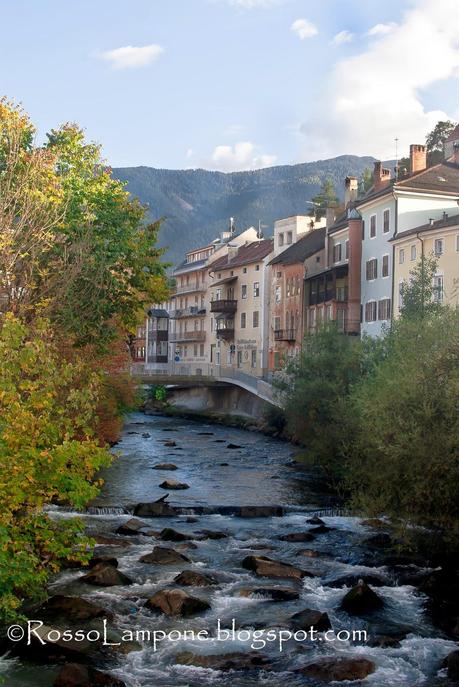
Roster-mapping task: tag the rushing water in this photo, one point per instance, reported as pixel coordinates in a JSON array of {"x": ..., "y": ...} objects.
[{"x": 258, "y": 472}]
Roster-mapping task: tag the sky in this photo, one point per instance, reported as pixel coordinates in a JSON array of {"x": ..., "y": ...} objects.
[{"x": 234, "y": 84}]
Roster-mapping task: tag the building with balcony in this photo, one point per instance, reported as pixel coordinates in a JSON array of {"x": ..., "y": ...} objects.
[
  {"x": 157, "y": 336},
  {"x": 238, "y": 307},
  {"x": 286, "y": 294},
  {"x": 438, "y": 238}
]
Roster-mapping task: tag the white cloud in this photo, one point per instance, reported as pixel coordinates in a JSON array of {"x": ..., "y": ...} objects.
[
  {"x": 381, "y": 29},
  {"x": 375, "y": 96},
  {"x": 304, "y": 28},
  {"x": 242, "y": 156},
  {"x": 131, "y": 57},
  {"x": 342, "y": 37}
]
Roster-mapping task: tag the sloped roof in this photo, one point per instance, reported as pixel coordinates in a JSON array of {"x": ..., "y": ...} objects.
[
  {"x": 447, "y": 221},
  {"x": 309, "y": 244},
  {"x": 250, "y": 252},
  {"x": 441, "y": 178},
  {"x": 453, "y": 135}
]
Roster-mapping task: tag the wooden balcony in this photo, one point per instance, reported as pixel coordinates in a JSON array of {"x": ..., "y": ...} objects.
[
  {"x": 226, "y": 332},
  {"x": 179, "y": 337},
  {"x": 285, "y": 334},
  {"x": 223, "y": 306}
]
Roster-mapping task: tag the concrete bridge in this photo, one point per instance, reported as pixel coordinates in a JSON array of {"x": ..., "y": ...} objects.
[{"x": 204, "y": 386}]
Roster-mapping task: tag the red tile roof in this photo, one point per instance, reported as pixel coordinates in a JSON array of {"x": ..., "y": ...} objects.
[{"x": 248, "y": 253}]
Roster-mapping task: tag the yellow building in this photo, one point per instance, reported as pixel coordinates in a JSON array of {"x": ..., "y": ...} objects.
[{"x": 439, "y": 238}]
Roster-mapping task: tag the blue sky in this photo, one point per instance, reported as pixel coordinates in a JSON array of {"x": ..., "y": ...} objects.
[{"x": 234, "y": 84}]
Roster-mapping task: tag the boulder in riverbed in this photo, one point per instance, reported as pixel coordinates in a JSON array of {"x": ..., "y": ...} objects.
[
  {"x": 161, "y": 555},
  {"x": 211, "y": 534},
  {"x": 353, "y": 580},
  {"x": 361, "y": 599},
  {"x": 339, "y": 669},
  {"x": 131, "y": 526},
  {"x": 176, "y": 602},
  {"x": 111, "y": 541},
  {"x": 321, "y": 529},
  {"x": 79, "y": 675},
  {"x": 297, "y": 537},
  {"x": 174, "y": 484},
  {"x": 232, "y": 661},
  {"x": 169, "y": 534},
  {"x": 233, "y": 446},
  {"x": 315, "y": 520},
  {"x": 73, "y": 608},
  {"x": 267, "y": 567},
  {"x": 108, "y": 560},
  {"x": 452, "y": 665},
  {"x": 165, "y": 466},
  {"x": 259, "y": 511},
  {"x": 271, "y": 593},
  {"x": 155, "y": 509},
  {"x": 307, "y": 618},
  {"x": 309, "y": 553},
  {"x": 105, "y": 576},
  {"x": 193, "y": 578},
  {"x": 170, "y": 443}
]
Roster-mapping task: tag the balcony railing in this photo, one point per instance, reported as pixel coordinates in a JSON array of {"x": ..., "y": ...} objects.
[
  {"x": 193, "y": 286},
  {"x": 178, "y": 337},
  {"x": 285, "y": 334},
  {"x": 226, "y": 332},
  {"x": 224, "y": 306},
  {"x": 158, "y": 334},
  {"x": 191, "y": 311}
]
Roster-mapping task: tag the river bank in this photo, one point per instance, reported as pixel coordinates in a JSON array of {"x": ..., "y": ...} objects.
[{"x": 245, "y": 499}]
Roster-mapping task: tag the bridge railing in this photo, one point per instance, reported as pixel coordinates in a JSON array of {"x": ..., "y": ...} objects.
[{"x": 261, "y": 386}]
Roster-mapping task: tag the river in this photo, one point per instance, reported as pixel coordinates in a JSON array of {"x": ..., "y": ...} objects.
[{"x": 258, "y": 471}]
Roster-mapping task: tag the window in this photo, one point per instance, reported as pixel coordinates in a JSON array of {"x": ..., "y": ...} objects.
[
  {"x": 255, "y": 318},
  {"x": 372, "y": 269},
  {"x": 244, "y": 291},
  {"x": 372, "y": 226},
  {"x": 256, "y": 289},
  {"x": 243, "y": 320},
  {"x": 439, "y": 246},
  {"x": 457, "y": 242},
  {"x": 337, "y": 252},
  {"x": 195, "y": 350},
  {"x": 257, "y": 268},
  {"x": 254, "y": 358},
  {"x": 280, "y": 240},
  {"x": 346, "y": 249},
  {"x": 413, "y": 252},
  {"x": 438, "y": 288},
  {"x": 244, "y": 270},
  {"x": 401, "y": 256},
  {"x": 370, "y": 311},
  {"x": 288, "y": 288},
  {"x": 386, "y": 221},
  {"x": 276, "y": 324},
  {"x": 278, "y": 275},
  {"x": 201, "y": 350},
  {"x": 289, "y": 237},
  {"x": 384, "y": 309},
  {"x": 278, "y": 294},
  {"x": 385, "y": 266},
  {"x": 341, "y": 294}
]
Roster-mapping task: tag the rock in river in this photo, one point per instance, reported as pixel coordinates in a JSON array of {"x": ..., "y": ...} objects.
[
  {"x": 176, "y": 602},
  {"x": 165, "y": 466},
  {"x": 361, "y": 599},
  {"x": 232, "y": 661},
  {"x": 105, "y": 576},
  {"x": 169, "y": 534},
  {"x": 304, "y": 620},
  {"x": 192, "y": 578},
  {"x": 271, "y": 593},
  {"x": 73, "y": 608},
  {"x": 173, "y": 484},
  {"x": 339, "y": 669},
  {"x": 161, "y": 555},
  {"x": 267, "y": 567},
  {"x": 78, "y": 675},
  {"x": 155, "y": 509},
  {"x": 452, "y": 665},
  {"x": 297, "y": 536},
  {"x": 132, "y": 526}
]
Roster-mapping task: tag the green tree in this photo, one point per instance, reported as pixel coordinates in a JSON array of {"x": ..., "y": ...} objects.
[
  {"x": 314, "y": 388},
  {"x": 435, "y": 141},
  {"x": 404, "y": 459},
  {"x": 366, "y": 182},
  {"x": 48, "y": 453},
  {"x": 419, "y": 293},
  {"x": 326, "y": 198}
]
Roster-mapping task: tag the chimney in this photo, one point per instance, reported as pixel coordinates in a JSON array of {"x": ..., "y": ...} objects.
[
  {"x": 351, "y": 186},
  {"x": 381, "y": 176},
  {"x": 330, "y": 217},
  {"x": 418, "y": 158}
]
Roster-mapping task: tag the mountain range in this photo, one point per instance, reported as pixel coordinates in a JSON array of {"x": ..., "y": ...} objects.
[{"x": 196, "y": 204}]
